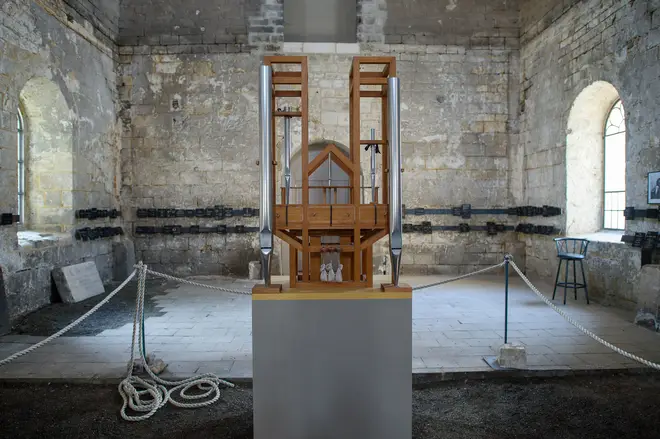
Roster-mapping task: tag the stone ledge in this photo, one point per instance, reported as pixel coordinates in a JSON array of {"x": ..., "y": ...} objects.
[
  {"x": 612, "y": 237},
  {"x": 32, "y": 239}
]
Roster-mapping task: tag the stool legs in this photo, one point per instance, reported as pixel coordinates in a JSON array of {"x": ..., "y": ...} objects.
[
  {"x": 566, "y": 281},
  {"x": 574, "y": 281},
  {"x": 556, "y": 279},
  {"x": 584, "y": 279}
]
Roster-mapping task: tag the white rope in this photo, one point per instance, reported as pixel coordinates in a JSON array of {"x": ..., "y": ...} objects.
[
  {"x": 147, "y": 396},
  {"x": 71, "y": 325},
  {"x": 454, "y": 279},
  {"x": 577, "y": 325},
  {"x": 190, "y": 282}
]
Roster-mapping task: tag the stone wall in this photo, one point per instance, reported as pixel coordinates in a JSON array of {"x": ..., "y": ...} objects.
[
  {"x": 564, "y": 50},
  {"x": 193, "y": 118},
  {"x": 103, "y": 15},
  {"x": 198, "y": 22},
  {"x": 463, "y": 22},
  {"x": 64, "y": 62}
]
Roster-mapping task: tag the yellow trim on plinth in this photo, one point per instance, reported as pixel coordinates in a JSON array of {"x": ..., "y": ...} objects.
[{"x": 335, "y": 295}]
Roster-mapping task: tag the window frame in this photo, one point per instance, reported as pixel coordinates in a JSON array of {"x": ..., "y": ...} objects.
[
  {"x": 623, "y": 131},
  {"x": 20, "y": 161}
]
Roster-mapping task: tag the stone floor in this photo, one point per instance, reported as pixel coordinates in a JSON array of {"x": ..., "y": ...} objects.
[{"x": 454, "y": 327}]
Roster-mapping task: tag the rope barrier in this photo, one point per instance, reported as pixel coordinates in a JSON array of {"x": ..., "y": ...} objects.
[
  {"x": 146, "y": 396},
  {"x": 71, "y": 325},
  {"x": 454, "y": 279},
  {"x": 197, "y": 284},
  {"x": 577, "y": 325}
]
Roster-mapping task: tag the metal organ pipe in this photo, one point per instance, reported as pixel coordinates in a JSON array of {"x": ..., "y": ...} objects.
[
  {"x": 394, "y": 151},
  {"x": 287, "y": 157},
  {"x": 266, "y": 162}
]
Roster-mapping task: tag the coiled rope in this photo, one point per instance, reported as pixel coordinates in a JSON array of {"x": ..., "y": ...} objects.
[{"x": 147, "y": 396}]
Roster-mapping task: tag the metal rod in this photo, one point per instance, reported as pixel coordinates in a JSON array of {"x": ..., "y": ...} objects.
[
  {"x": 506, "y": 298},
  {"x": 266, "y": 162},
  {"x": 394, "y": 151},
  {"x": 329, "y": 178},
  {"x": 373, "y": 167},
  {"x": 287, "y": 157}
]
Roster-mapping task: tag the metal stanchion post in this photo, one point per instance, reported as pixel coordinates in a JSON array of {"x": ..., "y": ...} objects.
[{"x": 506, "y": 298}]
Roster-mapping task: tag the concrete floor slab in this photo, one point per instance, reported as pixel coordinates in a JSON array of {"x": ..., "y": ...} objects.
[{"x": 454, "y": 327}]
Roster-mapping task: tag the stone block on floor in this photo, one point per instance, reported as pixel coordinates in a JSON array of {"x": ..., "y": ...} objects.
[
  {"x": 512, "y": 356},
  {"x": 254, "y": 270},
  {"x": 78, "y": 282}
]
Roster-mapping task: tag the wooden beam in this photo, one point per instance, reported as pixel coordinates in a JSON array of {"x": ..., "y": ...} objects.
[
  {"x": 287, "y": 93},
  {"x": 375, "y": 59},
  {"x": 293, "y": 267},
  {"x": 304, "y": 146},
  {"x": 369, "y": 81},
  {"x": 291, "y": 240},
  {"x": 372, "y": 238},
  {"x": 371, "y": 94},
  {"x": 287, "y": 74},
  {"x": 372, "y": 142},
  {"x": 277, "y": 59},
  {"x": 337, "y": 157},
  {"x": 289, "y": 80},
  {"x": 368, "y": 265},
  {"x": 372, "y": 75},
  {"x": 355, "y": 119}
]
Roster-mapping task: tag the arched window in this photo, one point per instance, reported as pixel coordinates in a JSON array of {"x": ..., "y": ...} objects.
[
  {"x": 587, "y": 210},
  {"x": 21, "y": 166},
  {"x": 615, "y": 169}
]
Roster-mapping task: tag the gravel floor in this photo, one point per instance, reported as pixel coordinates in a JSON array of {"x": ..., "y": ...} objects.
[
  {"x": 116, "y": 313},
  {"x": 586, "y": 407}
]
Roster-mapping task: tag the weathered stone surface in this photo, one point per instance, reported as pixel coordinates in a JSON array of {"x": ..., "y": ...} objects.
[
  {"x": 477, "y": 23},
  {"x": 648, "y": 297},
  {"x": 487, "y": 92},
  {"x": 5, "y": 325},
  {"x": 208, "y": 143},
  {"x": 59, "y": 66},
  {"x": 566, "y": 48},
  {"x": 123, "y": 253},
  {"x": 254, "y": 270},
  {"x": 513, "y": 356},
  {"x": 76, "y": 283}
]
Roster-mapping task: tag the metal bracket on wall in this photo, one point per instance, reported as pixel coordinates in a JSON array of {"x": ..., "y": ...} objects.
[
  {"x": 216, "y": 212},
  {"x": 7, "y": 219},
  {"x": 491, "y": 228},
  {"x": 88, "y": 234},
  {"x": 466, "y": 211},
  {"x": 220, "y": 229},
  {"x": 630, "y": 213},
  {"x": 92, "y": 214}
]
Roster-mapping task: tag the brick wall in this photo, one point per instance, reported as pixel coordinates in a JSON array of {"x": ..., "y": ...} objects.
[
  {"x": 172, "y": 22},
  {"x": 73, "y": 71},
  {"x": 102, "y": 14},
  {"x": 564, "y": 51},
  {"x": 463, "y": 22}
]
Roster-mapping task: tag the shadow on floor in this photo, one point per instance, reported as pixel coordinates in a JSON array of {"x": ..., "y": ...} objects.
[{"x": 114, "y": 314}]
